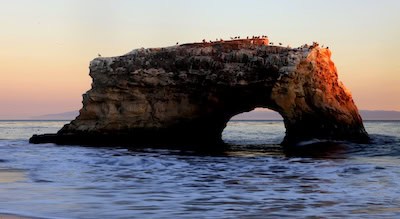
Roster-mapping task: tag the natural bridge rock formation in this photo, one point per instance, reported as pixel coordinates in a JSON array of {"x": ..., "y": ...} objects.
[{"x": 186, "y": 95}]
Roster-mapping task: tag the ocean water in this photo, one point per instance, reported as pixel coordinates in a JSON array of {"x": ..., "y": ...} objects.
[{"x": 255, "y": 178}]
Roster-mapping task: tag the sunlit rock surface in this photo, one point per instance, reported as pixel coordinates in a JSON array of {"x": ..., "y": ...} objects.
[{"x": 186, "y": 94}]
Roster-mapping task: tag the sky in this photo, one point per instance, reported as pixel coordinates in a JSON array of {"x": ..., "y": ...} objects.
[{"x": 46, "y": 45}]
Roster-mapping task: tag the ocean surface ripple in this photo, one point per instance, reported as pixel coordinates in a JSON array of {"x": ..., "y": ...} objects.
[{"x": 254, "y": 178}]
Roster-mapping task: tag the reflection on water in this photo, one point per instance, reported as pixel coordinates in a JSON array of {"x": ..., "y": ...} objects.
[
  {"x": 250, "y": 180},
  {"x": 11, "y": 175}
]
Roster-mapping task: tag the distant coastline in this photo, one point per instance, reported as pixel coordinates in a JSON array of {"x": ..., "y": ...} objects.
[
  {"x": 257, "y": 115},
  {"x": 70, "y": 115}
]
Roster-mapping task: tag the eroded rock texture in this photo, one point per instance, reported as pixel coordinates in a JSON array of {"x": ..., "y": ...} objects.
[{"x": 186, "y": 94}]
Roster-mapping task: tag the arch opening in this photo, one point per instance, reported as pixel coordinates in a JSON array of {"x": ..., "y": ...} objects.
[{"x": 260, "y": 126}]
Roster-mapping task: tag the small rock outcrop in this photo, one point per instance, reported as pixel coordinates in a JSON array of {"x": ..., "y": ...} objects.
[{"x": 186, "y": 94}]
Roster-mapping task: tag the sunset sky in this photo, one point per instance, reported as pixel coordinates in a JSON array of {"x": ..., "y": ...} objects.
[{"x": 46, "y": 46}]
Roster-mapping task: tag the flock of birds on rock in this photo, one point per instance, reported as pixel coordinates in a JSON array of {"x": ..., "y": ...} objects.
[
  {"x": 233, "y": 38},
  {"x": 314, "y": 45},
  {"x": 238, "y": 38}
]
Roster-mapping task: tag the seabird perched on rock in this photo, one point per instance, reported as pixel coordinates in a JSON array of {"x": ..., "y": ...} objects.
[
  {"x": 98, "y": 54},
  {"x": 280, "y": 44},
  {"x": 177, "y": 43}
]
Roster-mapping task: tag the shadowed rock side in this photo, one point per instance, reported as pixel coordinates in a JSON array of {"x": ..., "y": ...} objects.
[{"x": 186, "y": 95}]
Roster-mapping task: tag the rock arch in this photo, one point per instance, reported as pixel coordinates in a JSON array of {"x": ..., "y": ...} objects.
[
  {"x": 187, "y": 94},
  {"x": 260, "y": 126}
]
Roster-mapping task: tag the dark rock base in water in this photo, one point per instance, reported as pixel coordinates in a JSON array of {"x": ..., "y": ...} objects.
[{"x": 155, "y": 139}]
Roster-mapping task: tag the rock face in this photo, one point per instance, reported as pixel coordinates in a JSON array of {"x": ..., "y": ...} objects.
[{"x": 187, "y": 94}]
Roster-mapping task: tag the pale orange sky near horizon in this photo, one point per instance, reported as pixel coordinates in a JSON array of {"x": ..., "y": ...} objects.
[{"x": 46, "y": 46}]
